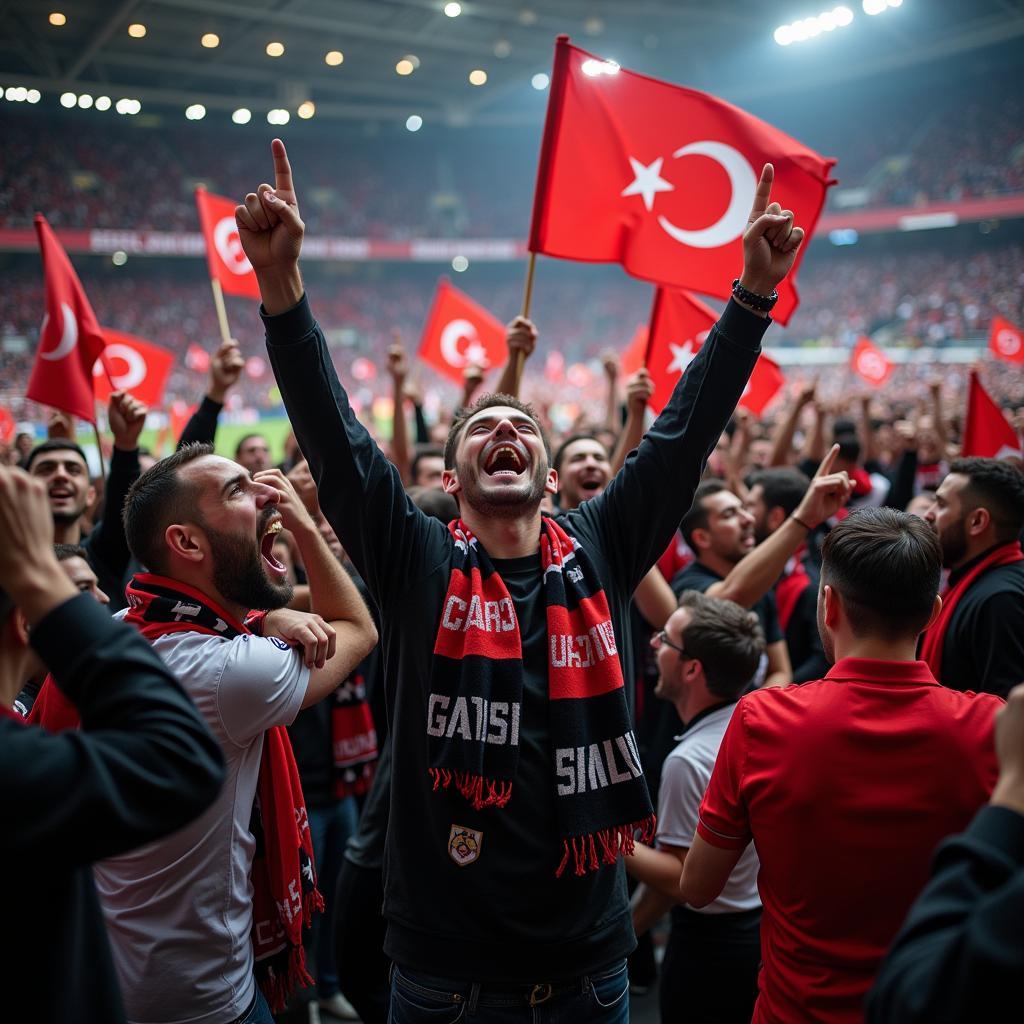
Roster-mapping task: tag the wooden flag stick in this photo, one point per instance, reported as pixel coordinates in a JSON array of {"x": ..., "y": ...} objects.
[
  {"x": 531, "y": 266},
  {"x": 99, "y": 452},
  {"x": 222, "y": 313}
]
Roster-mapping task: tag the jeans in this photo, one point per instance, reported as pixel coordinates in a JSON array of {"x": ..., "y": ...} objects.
[
  {"x": 260, "y": 1012},
  {"x": 599, "y": 998},
  {"x": 329, "y": 828}
]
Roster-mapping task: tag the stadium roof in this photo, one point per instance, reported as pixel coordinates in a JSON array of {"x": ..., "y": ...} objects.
[{"x": 726, "y": 45}]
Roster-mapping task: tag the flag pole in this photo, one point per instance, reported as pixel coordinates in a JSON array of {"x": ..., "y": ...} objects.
[
  {"x": 222, "y": 313},
  {"x": 99, "y": 452},
  {"x": 531, "y": 266}
]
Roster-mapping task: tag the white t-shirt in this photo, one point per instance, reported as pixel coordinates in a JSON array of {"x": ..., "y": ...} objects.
[
  {"x": 684, "y": 778},
  {"x": 179, "y": 911}
]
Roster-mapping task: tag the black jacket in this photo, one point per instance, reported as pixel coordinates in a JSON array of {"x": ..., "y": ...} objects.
[{"x": 143, "y": 765}]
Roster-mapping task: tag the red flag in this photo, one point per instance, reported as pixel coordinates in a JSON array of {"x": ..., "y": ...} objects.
[
  {"x": 765, "y": 383},
  {"x": 70, "y": 340},
  {"x": 178, "y": 416},
  {"x": 660, "y": 178},
  {"x": 986, "y": 431},
  {"x": 633, "y": 357},
  {"x": 459, "y": 332},
  {"x": 133, "y": 365},
  {"x": 1006, "y": 341},
  {"x": 224, "y": 256},
  {"x": 869, "y": 361},
  {"x": 7, "y": 426},
  {"x": 197, "y": 358}
]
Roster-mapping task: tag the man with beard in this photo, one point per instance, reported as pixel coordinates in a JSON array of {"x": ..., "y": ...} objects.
[
  {"x": 62, "y": 466},
  {"x": 846, "y": 785},
  {"x": 196, "y": 919},
  {"x": 516, "y": 786},
  {"x": 706, "y": 654},
  {"x": 977, "y": 643}
]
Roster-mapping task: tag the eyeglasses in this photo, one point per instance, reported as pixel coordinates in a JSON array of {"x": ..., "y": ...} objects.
[{"x": 660, "y": 639}]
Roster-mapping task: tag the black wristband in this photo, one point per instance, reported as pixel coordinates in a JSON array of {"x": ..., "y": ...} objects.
[
  {"x": 762, "y": 303},
  {"x": 801, "y": 523}
]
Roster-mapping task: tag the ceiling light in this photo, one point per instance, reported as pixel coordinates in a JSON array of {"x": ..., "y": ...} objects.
[
  {"x": 210, "y": 40},
  {"x": 459, "y": 264},
  {"x": 58, "y": 19},
  {"x": 404, "y": 67},
  {"x": 453, "y": 10},
  {"x": 275, "y": 49},
  {"x": 540, "y": 81},
  {"x": 873, "y": 6},
  {"x": 68, "y": 99},
  {"x": 102, "y": 102},
  {"x": 843, "y": 16},
  {"x": 33, "y": 96},
  {"x": 593, "y": 68},
  {"x": 136, "y": 30},
  {"x": 119, "y": 258},
  {"x": 414, "y": 123},
  {"x": 127, "y": 106},
  {"x": 333, "y": 58},
  {"x": 242, "y": 116},
  {"x": 85, "y": 101},
  {"x": 306, "y": 110},
  {"x": 477, "y": 76},
  {"x": 195, "y": 112},
  {"x": 278, "y": 116}
]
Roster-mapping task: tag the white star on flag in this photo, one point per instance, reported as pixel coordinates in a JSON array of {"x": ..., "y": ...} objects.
[
  {"x": 682, "y": 356},
  {"x": 647, "y": 181}
]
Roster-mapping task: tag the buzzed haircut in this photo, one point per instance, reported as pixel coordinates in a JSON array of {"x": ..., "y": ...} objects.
[
  {"x": 725, "y": 638},
  {"x": 489, "y": 402},
  {"x": 697, "y": 516},
  {"x": 997, "y": 486},
  {"x": 157, "y": 499},
  {"x": 885, "y": 566},
  {"x": 783, "y": 487},
  {"x": 55, "y": 444},
  {"x": 66, "y": 551},
  {"x": 556, "y": 463}
]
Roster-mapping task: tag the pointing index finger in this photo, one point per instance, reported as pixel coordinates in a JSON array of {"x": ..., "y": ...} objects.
[
  {"x": 828, "y": 462},
  {"x": 763, "y": 193},
  {"x": 282, "y": 169}
]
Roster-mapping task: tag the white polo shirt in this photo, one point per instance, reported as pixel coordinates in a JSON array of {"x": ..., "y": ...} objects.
[
  {"x": 684, "y": 778},
  {"x": 179, "y": 911}
]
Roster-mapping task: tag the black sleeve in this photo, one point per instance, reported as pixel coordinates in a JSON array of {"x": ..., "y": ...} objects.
[
  {"x": 638, "y": 512},
  {"x": 768, "y": 610},
  {"x": 107, "y": 545},
  {"x": 422, "y": 430},
  {"x": 996, "y": 632},
  {"x": 389, "y": 540},
  {"x": 142, "y": 765},
  {"x": 904, "y": 478},
  {"x": 813, "y": 664},
  {"x": 202, "y": 424},
  {"x": 960, "y": 953}
]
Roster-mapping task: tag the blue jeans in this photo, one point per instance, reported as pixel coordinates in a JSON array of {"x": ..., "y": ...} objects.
[
  {"x": 260, "y": 1012},
  {"x": 599, "y": 998}
]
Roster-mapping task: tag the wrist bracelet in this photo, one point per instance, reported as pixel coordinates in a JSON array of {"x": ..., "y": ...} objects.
[
  {"x": 762, "y": 303},
  {"x": 801, "y": 523}
]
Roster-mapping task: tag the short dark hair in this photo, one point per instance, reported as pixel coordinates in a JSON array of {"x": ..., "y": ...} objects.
[
  {"x": 489, "y": 402},
  {"x": 783, "y": 486},
  {"x": 432, "y": 451},
  {"x": 885, "y": 566},
  {"x": 54, "y": 444},
  {"x": 249, "y": 437},
  {"x": 849, "y": 447},
  {"x": 157, "y": 499},
  {"x": 66, "y": 551},
  {"x": 436, "y": 503},
  {"x": 556, "y": 462},
  {"x": 725, "y": 638},
  {"x": 997, "y": 486},
  {"x": 697, "y": 516}
]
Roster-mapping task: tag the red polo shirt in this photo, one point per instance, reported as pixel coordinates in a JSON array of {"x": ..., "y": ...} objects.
[{"x": 846, "y": 786}]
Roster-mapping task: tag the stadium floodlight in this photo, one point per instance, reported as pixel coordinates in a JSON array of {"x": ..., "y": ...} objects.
[
  {"x": 306, "y": 110},
  {"x": 85, "y": 101},
  {"x": 843, "y": 16},
  {"x": 210, "y": 40},
  {"x": 242, "y": 115},
  {"x": 460, "y": 264},
  {"x": 57, "y": 19},
  {"x": 278, "y": 116},
  {"x": 477, "y": 76},
  {"x": 127, "y": 106},
  {"x": 275, "y": 49},
  {"x": 137, "y": 30},
  {"x": 102, "y": 103},
  {"x": 195, "y": 112},
  {"x": 413, "y": 123},
  {"x": 333, "y": 58},
  {"x": 540, "y": 81},
  {"x": 827, "y": 21},
  {"x": 68, "y": 99},
  {"x": 783, "y": 35},
  {"x": 874, "y": 6},
  {"x": 33, "y": 96},
  {"x": 593, "y": 68},
  {"x": 895, "y": 3},
  {"x": 453, "y": 10},
  {"x": 404, "y": 67},
  {"x": 119, "y": 257},
  {"x": 807, "y": 28}
]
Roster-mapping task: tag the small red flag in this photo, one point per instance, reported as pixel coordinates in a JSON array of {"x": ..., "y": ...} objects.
[
  {"x": 197, "y": 358},
  {"x": 869, "y": 361},
  {"x": 1006, "y": 341},
  {"x": 633, "y": 357},
  {"x": 986, "y": 431},
  {"x": 660, "y": 178},
  {"x": 133, "y": 365},
  {"x": 70, "y": 340},
  {"x": 7, "y": 426},
  {"x": 224, "y": 256},
  {"x": 765, "y": 383},
  {"x": 459, "y": 332}
]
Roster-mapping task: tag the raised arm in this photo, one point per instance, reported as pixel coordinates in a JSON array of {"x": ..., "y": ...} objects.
[
  {"x": 639, "y": 389},
  {"x": 226, "y": 365},
  {"x": 398, "y": 368},
  {"x": 520, "y": 336},
  {"x": 782, "y": 440}
]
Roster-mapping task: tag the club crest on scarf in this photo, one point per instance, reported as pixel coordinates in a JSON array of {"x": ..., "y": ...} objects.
[{"x": 464, "y": 844}]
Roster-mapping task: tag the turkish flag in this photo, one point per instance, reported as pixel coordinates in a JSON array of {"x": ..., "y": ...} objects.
[
  {"x": 765, "y": 383},
  {"x": 869, "y": 361},
  {"x": 660, "y": 178},
  {"x": 1006, "y": 341},
  {"x": 133, "y": 365},
  {"x": 986, "y": 431},
  {"x": 636, "y": 352},
  {"x": 224, "y": 256},
  {"x": 70, "y": 340},
  {"x": 459, "y": 332}
]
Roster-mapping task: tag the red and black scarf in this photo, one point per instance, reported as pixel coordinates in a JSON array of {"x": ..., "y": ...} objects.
[
  {"x": 791, "y": 585},
  {"x": 353, "y": 738},
  {"x": 476, "y": 691},
  {"x": 934, "y": 637}
]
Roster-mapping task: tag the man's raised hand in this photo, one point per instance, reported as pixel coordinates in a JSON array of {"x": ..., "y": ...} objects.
[{"x": 770, "y": 242}]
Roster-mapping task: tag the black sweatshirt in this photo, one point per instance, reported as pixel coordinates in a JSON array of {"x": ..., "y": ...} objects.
[
  {"x": 143, "y": 765},
  {"x": 960, "y": 954},
  {"x": 106, "y": 545},
  {"x": 505, "y": 917}
]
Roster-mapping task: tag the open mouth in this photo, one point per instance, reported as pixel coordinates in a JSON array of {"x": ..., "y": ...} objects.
[
  {"x": 267, "y": 548},
  {"x": 591, "y": 485},
  {"x": 505, "y": 460}
]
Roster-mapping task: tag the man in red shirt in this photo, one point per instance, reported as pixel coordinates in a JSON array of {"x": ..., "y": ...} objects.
[{"x": 846, "y": 785}]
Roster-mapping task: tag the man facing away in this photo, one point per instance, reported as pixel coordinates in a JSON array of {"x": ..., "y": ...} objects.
[
  {"x": 515, "y": 784},
  {"x": 192, "y": 919},
  {"x": 846, "y": 785}
]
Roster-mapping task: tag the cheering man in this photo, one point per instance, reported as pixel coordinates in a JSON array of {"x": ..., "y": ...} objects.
[{"x": 516, "y": 785}]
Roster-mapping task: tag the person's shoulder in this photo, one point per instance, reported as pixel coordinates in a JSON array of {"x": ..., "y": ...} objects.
[{"x": 693, "y": 577}]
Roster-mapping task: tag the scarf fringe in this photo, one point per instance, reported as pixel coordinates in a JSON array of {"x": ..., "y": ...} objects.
[
  {"x": 480, "y": 792},
  {"x": 612, "y": 843},
  {"x": 284, "y": 974}
]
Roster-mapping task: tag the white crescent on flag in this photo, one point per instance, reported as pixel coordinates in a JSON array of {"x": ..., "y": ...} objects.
[
  {"x": 229, "y": 246},
  {"x": 454, "y": 332},
  {"x": 69, "y": 338},
  {"x": 135, "y": 367}
]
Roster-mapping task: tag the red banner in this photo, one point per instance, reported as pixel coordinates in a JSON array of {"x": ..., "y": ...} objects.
[
  {"x": 1006, "y": 341},
  {"x": 134, "y": 365},
  {"x": 870, "y": 363},
  {"x": 986, "y": 430},
  {"x": 460, "y": 332},
  {"x": 224, "y": 256}
]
